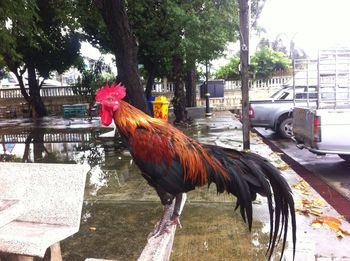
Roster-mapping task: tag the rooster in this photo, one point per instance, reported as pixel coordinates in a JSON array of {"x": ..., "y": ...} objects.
[{"x": 174, "y": 164}]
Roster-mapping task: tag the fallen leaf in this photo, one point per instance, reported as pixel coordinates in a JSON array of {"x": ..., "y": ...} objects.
[
  {"x": 331, "y": 222},
  {"x": 330, "y": 219},
  {"x": 315, "y": 212},
  {"x": 92, "y": 228},
  {"x": 339, "y": 234},
  {"x": 319, "y": 202},
  {"x": 308, "y": 206},
  {"x": 316, "y": 225},
  {"x": 345, "y": 231},
  {"x": 283, "y": 167}
]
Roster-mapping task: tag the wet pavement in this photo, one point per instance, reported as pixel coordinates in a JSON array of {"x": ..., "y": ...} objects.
[
  {"x": 328, "y": 174},
  {"x": 120, "y": 209}
]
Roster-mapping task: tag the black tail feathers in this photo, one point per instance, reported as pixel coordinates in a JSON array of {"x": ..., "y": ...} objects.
[{"x": 250, "y": 174}]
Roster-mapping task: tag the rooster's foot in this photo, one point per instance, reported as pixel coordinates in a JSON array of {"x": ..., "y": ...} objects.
[
  {"x": 175, "y": 220},
  {"x": 162, "y": 226}
]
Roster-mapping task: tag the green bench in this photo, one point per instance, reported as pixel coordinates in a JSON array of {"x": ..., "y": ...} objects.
[{"x": 74, "y": 110}]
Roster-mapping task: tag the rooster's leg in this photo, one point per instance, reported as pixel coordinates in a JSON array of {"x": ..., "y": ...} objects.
[
  {"x": 162, "y": 225},
  {"x": 171, "y": 214},
  {"x": 167, "y": 200},
  {"x": 179, "y": 202}
]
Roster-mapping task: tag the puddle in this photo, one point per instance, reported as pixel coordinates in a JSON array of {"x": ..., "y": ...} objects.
[
  {"x": 214, "y": 231},
  {"x": 112, "y": 230},
  {"x": 121, "y": 209}
]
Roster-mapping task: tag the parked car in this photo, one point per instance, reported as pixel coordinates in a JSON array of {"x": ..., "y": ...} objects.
[{"x": 276, "y": 112}]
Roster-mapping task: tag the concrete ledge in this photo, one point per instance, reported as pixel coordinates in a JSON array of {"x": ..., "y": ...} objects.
[
  {"x": 159, "y": 246},
  {"x": 98, "y": 259}
]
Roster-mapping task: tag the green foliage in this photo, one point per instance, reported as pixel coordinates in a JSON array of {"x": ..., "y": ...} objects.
[
  {"x": 39, "y": 33},
  {"x": 266, "y": 62},
  {"x": 196, "y": 31},
  {"x": 93, "y": 79},
  {"x": 263, "y": 65},
  {"x": 94, "y": 29},
  {"x": 229, "y": 71},
  {"x": 16, "y": 18}
]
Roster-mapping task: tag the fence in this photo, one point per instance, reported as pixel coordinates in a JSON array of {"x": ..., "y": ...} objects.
[
  {"x": 158, "y": 87},
  {"x": 55, "y": 96},
  {"x": 272, "y": 83},
  {"x": 52, "y": 91},
  {"x": 69, "y": 137}
]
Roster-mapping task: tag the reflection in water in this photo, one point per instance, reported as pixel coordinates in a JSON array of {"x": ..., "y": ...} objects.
[
  {"x": 39, "y": 150},
  {"x": 120, "y": 208},
  {"x": 50, "y": 145}
]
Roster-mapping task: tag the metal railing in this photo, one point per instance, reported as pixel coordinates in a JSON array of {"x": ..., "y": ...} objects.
[{"x": 326, "y": 80}]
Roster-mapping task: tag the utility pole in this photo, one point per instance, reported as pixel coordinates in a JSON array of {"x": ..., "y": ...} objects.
[{"x": 244, "y": 25}]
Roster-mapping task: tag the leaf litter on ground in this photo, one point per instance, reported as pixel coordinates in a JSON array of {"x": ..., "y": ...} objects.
[{"x": 314, "y": 206}]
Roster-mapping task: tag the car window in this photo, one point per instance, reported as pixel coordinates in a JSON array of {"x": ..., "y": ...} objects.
[
  {"x": 300, "y": 95},
  {"x": 304, "y": 95},
  {"x": 283, "y": 96},
  {"x": 276, "y": 94}
]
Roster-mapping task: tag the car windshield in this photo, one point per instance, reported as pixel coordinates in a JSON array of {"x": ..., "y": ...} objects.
[
  {"x": 287, "y": 93},
  {"x": 283, "y": 94},
  {"x": 277, "y": 94}
]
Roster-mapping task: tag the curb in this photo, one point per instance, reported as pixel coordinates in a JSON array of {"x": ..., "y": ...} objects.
[{"x": 333, "y": 197}]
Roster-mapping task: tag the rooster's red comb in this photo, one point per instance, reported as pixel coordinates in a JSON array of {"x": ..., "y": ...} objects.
[{"x": 113, "y": 92}]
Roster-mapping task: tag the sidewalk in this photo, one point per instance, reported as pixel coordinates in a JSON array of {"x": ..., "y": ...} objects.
[{"x": 314, "y": 241}]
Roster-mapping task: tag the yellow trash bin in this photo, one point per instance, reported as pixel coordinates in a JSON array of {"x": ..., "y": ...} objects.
[{"x": 160, "y": 107}]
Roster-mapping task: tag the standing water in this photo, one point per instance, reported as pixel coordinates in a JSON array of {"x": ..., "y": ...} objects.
[{"x": 120, "y": 208}]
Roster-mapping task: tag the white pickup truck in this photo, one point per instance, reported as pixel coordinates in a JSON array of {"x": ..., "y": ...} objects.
[{"x": 322, "y": 125}]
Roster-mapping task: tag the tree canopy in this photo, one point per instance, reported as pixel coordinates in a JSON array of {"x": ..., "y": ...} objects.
[
  {"x": 264, "y": 64},
  {"x": 170, "y": 38},
  {"x": 38, "y": 39}
]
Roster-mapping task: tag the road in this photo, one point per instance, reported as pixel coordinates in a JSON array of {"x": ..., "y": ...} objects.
[{"x": 331, "y": 169}]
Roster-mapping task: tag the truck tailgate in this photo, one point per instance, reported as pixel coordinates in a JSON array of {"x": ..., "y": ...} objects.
[
  {"x": 334, "y": 128},
  {"x": 303, "y": 125}
]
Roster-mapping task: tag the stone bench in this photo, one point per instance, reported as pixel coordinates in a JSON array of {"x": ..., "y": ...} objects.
[{"x": 50, "y": 198}]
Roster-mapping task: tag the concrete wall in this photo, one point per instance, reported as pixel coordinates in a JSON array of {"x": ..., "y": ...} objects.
[{"x": 18, "y": 107}]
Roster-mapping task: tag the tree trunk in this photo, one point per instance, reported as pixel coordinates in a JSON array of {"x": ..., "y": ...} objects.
[
  {"x": 150, "y": 81},
  {"x": 35, "y": 100},
  {"x": 125, "y": 49},
  {"x": 33, "y": 97},
  {"x": 191, "y": 100},
  {"x": 179, "y": 100}
]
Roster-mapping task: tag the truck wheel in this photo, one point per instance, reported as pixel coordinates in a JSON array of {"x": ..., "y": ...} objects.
[
  {"x": 285, "y": 128},
  {"x": 345, "y": 157}
]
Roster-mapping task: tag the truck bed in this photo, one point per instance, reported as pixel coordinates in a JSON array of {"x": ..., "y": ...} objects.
[{"x": 331, "y": 135}]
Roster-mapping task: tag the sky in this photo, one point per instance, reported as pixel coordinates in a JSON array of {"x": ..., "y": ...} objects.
[{"x": 312, "y": 24}]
